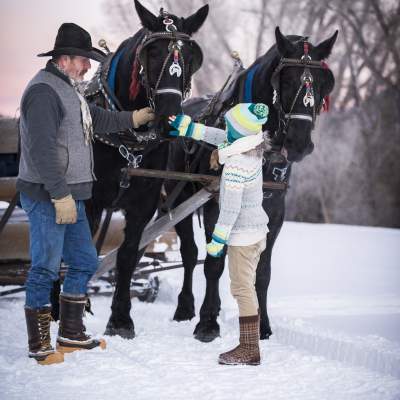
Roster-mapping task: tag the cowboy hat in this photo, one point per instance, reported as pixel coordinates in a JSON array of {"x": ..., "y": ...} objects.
[{"x": 75, "y": 41}]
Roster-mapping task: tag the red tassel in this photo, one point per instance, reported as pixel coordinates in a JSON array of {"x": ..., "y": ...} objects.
[
  {"x": 326, "y": 103},
  {"x": 327, "y": 99},
  {"x": 135, "y": 84}
]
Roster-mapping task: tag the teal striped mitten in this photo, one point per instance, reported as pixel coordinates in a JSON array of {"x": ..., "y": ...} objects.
[{"x": 183, "y": 126}]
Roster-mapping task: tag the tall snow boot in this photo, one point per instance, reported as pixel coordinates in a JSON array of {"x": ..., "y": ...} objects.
[
  {"x": 71, "y": 332},
  {"x": 248, "y": 351},
  {"x": 38, "y": 327}
]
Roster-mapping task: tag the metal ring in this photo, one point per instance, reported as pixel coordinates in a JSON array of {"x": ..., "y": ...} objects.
[
  {"x": 171, "y": 28},
  {"x": 123, "y": 151},
  {"x": 168, "y": 21}
]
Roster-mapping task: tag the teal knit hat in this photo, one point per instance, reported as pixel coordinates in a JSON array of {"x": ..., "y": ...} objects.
[{"x": 245, "y": 119}]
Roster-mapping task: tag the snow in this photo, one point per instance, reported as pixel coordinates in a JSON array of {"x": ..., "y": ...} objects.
[{"x": 335, "y": 310}]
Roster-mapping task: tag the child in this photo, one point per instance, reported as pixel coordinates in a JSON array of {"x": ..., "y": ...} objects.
[{"x": 242, "y": 222}]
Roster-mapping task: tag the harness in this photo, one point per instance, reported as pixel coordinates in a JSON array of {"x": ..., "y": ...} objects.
[{"x": 248, "y": 85}]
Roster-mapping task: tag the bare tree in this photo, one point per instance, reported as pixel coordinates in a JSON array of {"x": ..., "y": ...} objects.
[{"x": 352, "y": 175}]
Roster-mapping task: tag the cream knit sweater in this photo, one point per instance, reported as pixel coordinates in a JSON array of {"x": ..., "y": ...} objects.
[{"x": 242, "y": 220}]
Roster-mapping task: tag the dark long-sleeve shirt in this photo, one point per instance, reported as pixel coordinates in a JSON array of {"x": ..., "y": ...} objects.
[{"x": 43, "y": 111}]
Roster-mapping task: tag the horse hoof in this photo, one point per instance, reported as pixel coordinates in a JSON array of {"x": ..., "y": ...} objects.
[
  {"x": 185, "y": 308},
  {"x": 125, "y": 333},
  {"x": 265, "y": 333},
  {"x": 183, "y": 314},
  {"x": 207, "y": 331}
]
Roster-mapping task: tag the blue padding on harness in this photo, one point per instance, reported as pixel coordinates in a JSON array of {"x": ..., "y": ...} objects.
[
  {"x": 248, "y": 85},
  {"x": 113, "y": 70}
]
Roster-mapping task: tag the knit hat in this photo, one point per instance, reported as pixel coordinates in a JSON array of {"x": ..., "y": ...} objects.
[{"x": 245, "y": 119}]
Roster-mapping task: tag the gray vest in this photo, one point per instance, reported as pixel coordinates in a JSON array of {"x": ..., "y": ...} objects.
[{"x": 75, "y": 157}]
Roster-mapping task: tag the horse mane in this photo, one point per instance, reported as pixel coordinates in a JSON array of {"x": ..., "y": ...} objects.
[
  {"x": 270, "y": 59},
  {"x": 130, "y": 63}
]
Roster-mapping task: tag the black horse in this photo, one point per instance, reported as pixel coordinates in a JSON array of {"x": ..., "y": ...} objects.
[
  {"x": 294, "y": 82},
  {"x": 154, "y": 67}
]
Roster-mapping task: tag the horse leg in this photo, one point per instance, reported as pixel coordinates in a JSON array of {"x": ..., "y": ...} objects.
[
  {"x": 120, "y": 322},
  {"x": 275, "y": 212},
  {"x": 189, "y": 252},
  {"x": 207, "y": 328},
  {"x": 93, "y": 213}
]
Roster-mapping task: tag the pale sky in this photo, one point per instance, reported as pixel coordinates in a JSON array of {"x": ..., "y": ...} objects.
[{"x": 29, "y": 27}]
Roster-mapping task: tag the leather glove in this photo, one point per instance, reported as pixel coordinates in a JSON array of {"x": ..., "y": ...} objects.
[
  {"x": 215, "y": 249},
  {"x": 142, "y": 116},
  {"x": 65, "y": 210},
  {"x": 180, "y": 123}
]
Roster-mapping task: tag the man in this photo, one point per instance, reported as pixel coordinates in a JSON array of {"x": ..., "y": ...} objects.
[{"x": 55, "y": 177}]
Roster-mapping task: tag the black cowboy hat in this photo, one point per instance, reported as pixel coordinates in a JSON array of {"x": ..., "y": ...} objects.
[{"x": 75, "y": 41}]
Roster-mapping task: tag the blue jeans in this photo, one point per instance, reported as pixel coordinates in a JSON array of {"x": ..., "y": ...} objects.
[{"x": 51, "y": 242}]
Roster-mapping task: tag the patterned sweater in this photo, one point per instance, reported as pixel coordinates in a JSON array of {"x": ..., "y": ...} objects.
[{"x": 242, "y": 220}]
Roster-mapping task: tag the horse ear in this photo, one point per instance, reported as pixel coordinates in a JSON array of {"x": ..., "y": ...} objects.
[
  {"x": 193, "y": 23},
  {"x": 285, "y": 46},
  {"x": 148, "y": 19},
  {"x": 323, "y": 50}
]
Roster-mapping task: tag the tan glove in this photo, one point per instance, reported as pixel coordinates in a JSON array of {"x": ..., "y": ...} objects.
[
  {"x": 142, "y": 116},
  {"x": 65, "y": 210}
]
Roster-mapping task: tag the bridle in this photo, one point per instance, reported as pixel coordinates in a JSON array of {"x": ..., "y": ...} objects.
[
  {"x": 306, "y": 81},
  {"x": 177, "y": 41},
  {"x": 285, "y": 117}
]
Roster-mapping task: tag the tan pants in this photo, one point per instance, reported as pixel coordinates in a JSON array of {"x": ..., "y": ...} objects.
[{"x": 243, "y": 261}]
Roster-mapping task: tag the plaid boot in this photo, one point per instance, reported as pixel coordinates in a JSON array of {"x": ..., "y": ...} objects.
[
  {"x": 248, "y": 351},
  {"x": 38, "y": 327},
  {"x": 71, "y": 333}
]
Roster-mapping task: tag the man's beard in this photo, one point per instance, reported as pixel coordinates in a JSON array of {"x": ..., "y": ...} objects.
[
  {"x": 80, "y": 77},
  {"x": 77, "y": 78}
]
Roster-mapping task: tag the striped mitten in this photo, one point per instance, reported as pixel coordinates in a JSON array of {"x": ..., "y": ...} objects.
[
  {"x": 214, "y": 249},
  {"x": 183, "y": 126}
]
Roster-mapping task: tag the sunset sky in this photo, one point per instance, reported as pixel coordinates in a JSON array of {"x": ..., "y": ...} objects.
[{"x": 29, "y": 27}]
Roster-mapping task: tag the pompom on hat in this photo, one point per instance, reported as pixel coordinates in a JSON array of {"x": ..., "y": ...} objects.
[{"x": 245, "y": 119}]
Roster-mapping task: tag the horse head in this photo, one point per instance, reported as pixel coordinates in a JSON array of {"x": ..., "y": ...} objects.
[
  {"x": 166, "y": 58},
  {"x": 301, "y": 83}
]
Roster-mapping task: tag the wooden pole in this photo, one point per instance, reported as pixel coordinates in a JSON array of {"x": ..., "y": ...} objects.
[
  {"x": 172, "y": 175},
  {"x": 186, "y": 176}
]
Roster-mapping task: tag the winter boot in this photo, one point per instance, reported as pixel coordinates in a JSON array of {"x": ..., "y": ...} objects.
[
  {"x": 71, "y": 333},
  {"x": 38, "y": 327},
  {"x": 248, "y": 351}
]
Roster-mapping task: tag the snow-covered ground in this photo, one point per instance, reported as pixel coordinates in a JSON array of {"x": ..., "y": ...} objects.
[{"x": 335, "y": 311}]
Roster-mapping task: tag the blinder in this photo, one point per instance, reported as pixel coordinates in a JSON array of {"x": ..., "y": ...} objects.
[
  {"x": 306, "y": 76},
  {"x": 176, "y": 41}
]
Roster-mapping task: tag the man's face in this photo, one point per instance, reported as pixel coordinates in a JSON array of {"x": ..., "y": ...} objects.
[{"x": 75, "y": 66}]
